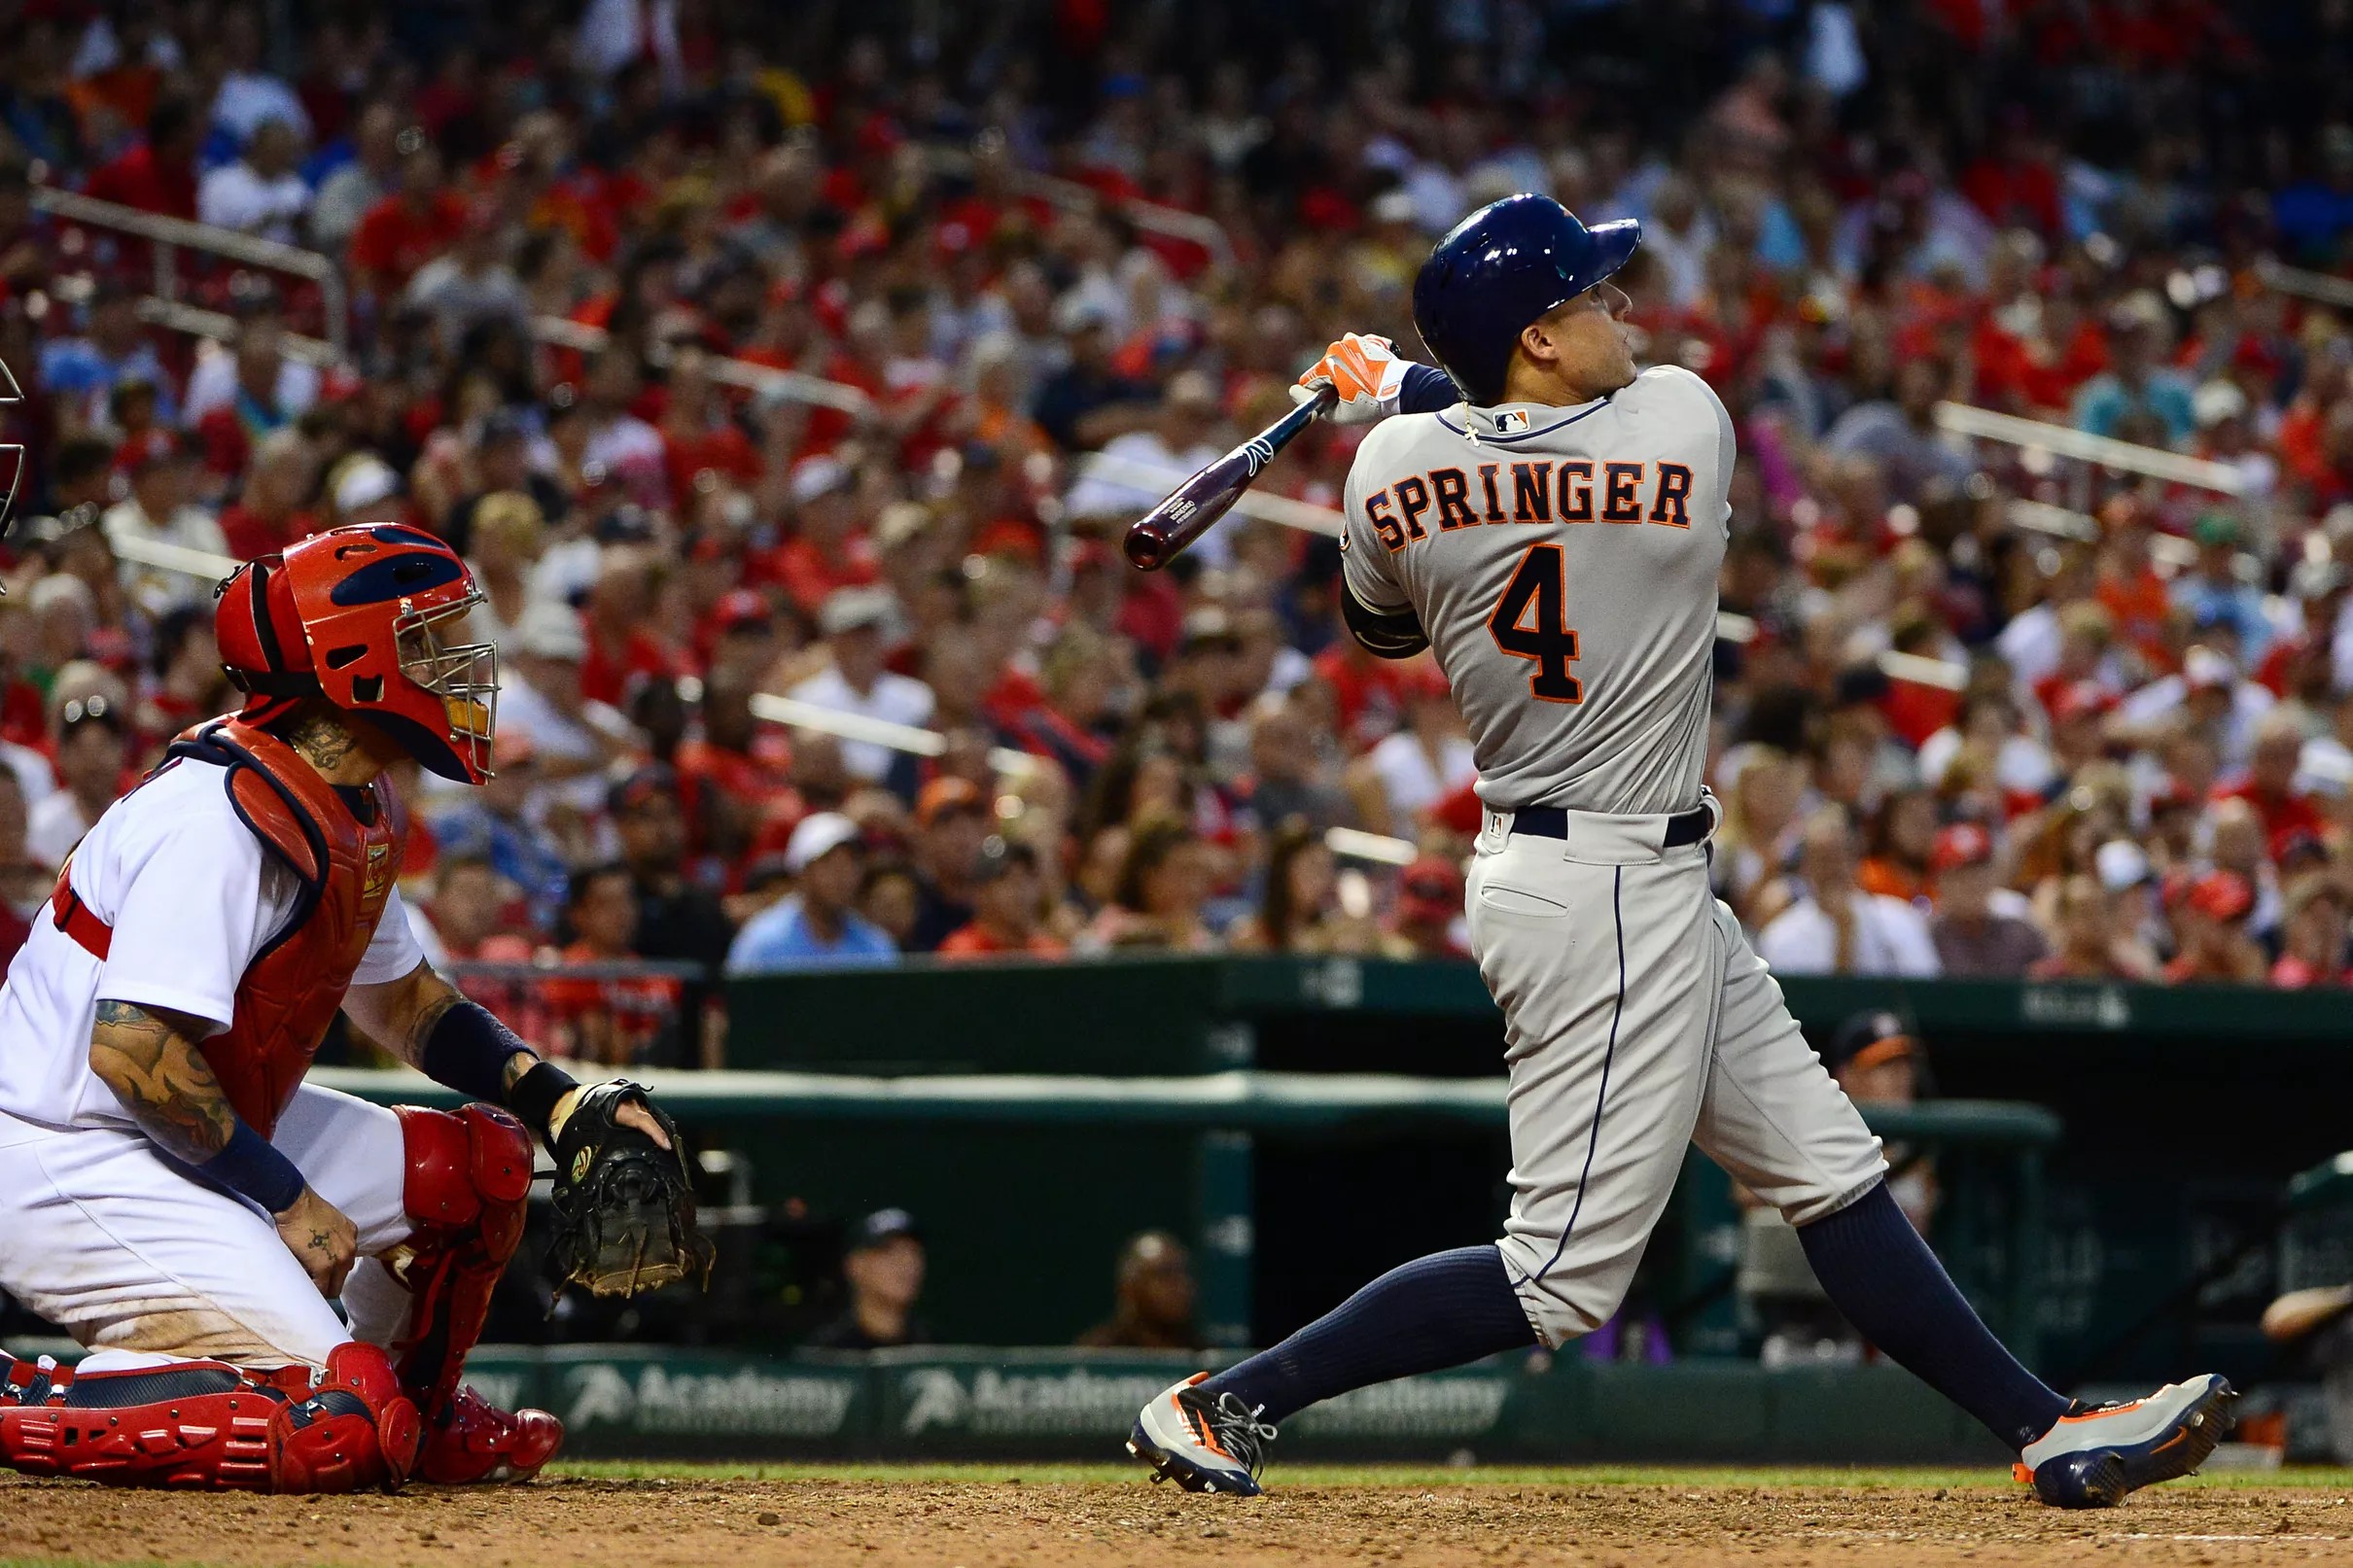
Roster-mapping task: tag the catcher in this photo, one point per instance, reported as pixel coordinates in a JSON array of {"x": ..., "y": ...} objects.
[{"x": 174, "y": 1195}]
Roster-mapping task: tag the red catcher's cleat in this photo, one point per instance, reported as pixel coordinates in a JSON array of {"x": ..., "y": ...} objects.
[{"x": 477, "y": 1441}]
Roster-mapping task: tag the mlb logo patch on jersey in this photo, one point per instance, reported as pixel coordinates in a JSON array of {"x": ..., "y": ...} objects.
[{"x": 1511, "y": 422}]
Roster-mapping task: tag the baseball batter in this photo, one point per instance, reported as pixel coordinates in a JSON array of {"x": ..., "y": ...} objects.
[
  {"x": 171, "y": 1192},
  {"x": 1550, "y": 526}
]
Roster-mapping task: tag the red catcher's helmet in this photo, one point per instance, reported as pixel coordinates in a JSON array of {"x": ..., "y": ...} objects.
[{"x": 356, "y": 617}]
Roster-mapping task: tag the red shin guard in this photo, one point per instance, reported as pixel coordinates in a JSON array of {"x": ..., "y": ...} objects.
[
  {"x": 210, "y": 1426},
  {"x": 468, "y": 1175}
]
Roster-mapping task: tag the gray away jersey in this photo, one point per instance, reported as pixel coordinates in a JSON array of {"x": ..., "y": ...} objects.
[{"x": 1563, "y": 562}]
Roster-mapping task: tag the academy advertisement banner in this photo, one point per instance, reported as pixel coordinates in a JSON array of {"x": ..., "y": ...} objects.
[{"x": 620, "y": 1400}]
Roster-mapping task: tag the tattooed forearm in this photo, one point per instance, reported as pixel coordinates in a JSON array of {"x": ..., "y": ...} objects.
[
  {"x": 519, "y": 1064},
  {"x": 152, "y": 1063},
  {"x": 434, "y": 996}
]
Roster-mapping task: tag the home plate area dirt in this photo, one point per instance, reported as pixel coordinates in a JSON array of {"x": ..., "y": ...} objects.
[{"x": 1006, "y": 1517}]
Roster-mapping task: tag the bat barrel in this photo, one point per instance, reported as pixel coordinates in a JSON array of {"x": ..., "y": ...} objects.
[
  {"x": 1160, "y": 534},
  {"x": 1146, "y": 546}
]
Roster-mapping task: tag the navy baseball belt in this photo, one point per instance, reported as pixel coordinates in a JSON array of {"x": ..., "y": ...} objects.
[{"x": 1552, "y": 823}]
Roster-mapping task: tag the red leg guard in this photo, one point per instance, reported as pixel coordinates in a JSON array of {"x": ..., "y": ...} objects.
[
  {"x": 208, "y": 1425},
  {"x": 468, "y": 1175}
]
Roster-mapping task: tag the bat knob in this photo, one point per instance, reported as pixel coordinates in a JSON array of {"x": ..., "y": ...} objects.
[{"x": 1144, "y": 548}]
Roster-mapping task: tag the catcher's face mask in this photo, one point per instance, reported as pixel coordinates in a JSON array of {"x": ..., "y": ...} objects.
[{"x": 371, "y": 619}]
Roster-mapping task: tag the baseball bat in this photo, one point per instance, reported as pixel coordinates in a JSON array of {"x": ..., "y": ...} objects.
[{"x": 1162, "y": 533}]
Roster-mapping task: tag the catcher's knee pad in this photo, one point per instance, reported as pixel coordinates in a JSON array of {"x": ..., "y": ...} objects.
[
  {"x": 468, "y": 1176},
  {"x": 206, "y": 1425},
  {"x": 469, "y": 1173}
]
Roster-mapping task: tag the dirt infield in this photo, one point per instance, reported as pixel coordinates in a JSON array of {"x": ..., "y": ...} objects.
[{"x": 986, "y": 1517}]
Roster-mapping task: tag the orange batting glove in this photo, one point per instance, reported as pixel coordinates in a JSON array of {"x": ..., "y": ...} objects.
[{"x": 1366, "y": 372}]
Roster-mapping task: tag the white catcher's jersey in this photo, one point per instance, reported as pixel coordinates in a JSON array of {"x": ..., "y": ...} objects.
[
  {"x": 193, "y": 899},
  {"x": 1562, "y": 562}
]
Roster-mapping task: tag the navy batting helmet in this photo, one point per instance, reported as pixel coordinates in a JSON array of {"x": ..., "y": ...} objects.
[{"x": 1501, "y": 269}]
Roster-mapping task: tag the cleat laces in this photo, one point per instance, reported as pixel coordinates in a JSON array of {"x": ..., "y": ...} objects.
[{"x": 1240, "y": 1432}]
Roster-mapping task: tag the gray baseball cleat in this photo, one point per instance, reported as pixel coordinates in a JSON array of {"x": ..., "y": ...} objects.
[
  {"x": 2095, "y": 1454},
  {"x": 1202, "y": 1445}
]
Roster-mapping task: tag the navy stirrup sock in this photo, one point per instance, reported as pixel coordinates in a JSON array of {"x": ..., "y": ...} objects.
[
  {"x": 1442, "y": 1311},
  {"x": 1881, "y": 1275}
]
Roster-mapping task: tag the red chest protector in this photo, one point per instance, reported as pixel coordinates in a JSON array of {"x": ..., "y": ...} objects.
[{"x": 344, "y": 869}]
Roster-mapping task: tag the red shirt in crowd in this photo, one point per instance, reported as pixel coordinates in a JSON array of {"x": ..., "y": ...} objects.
[
  {"x": 606, "y": 672},
  {"x": 724, "y": 450},
  {"x": 2283, "y": 815},
  {"x": 137, "y": 180},
  {"x": 250, "y": 535},
  {"x": 973, "y": 941},
  {"x": 395, "y": 239}
]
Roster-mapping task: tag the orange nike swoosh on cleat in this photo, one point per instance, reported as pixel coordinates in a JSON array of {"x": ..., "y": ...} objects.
[
  {"x": 1201, "y": 1433},
  {"x": 2020, "y": 1474}
]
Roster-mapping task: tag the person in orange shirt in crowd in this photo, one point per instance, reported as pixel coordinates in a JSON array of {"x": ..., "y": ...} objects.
[
  {"x": 1006, "y": 908},
  {"x": 828, "y": 551},
  {"x": 1902, "y": 839},
  {"x": 613, "y": 1019},
  {"x": 2139, "y": 609},
  {"x": 2313, "y": 928}
]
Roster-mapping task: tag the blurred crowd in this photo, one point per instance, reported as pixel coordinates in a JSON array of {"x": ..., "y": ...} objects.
[{"x": 764, "y": 360}]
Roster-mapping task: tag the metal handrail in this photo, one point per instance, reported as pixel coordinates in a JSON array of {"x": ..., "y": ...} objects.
[
  {"x": 186, "y": 560},
  {"x": 2064, "y": 440},
  {"x": 168, "y": 235},
  {"x": 178, "y": 316},
  {"x": 1160, "y": 218},
  {"x": 2304, "y": 282},
  {"x": 1072, "y": 195},
  {"x": 765, "y": 380}
]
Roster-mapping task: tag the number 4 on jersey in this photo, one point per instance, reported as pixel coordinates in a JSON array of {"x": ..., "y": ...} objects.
[{"x": 1527, "y": 623}]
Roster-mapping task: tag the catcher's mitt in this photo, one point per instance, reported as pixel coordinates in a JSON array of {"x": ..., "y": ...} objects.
[{"x": 624, "y": 1209}]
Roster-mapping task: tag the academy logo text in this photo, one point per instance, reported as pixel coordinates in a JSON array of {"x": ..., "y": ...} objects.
[
  {"x": 653, "y": 1399},
  {"x": 988, "y": 1401}
]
